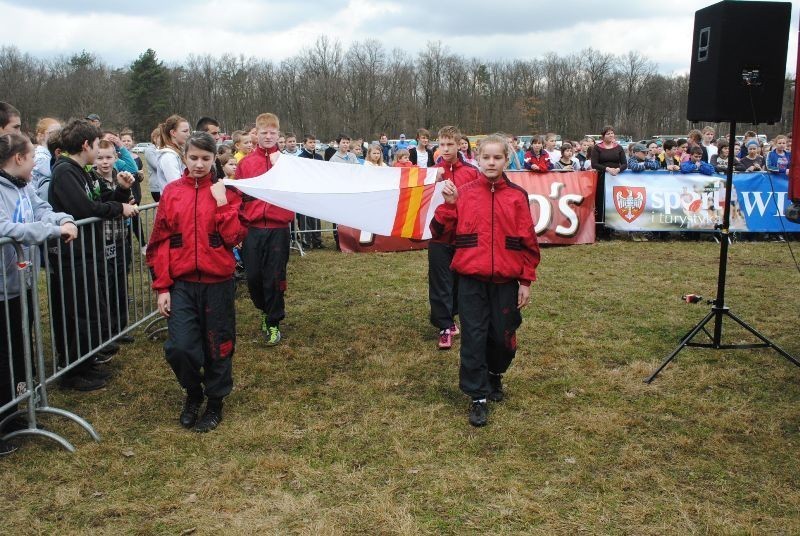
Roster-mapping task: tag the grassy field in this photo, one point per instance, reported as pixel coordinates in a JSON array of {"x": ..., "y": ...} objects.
[{"x": 355, "y": 425}]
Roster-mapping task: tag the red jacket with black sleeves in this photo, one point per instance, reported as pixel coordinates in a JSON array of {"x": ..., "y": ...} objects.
[
  {"x": 460, "y": 173},
  {"x": 542, "y": 162},
  {"x": 494, "y": 235},
  {"x": 258, "y": 213},
  {"x": 192, "y": 237}
]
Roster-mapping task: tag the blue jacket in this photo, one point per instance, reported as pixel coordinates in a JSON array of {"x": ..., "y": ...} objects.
[
  {"x": 702, "y": 167},
  {"x": 779, "y": 163},
  {"x": 636, "y": 165},
  {"x": 125, "y": 162}
]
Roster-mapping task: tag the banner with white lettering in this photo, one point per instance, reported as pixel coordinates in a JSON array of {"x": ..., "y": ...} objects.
[
  {"x": 562, "y": 207},
  {"x": 667, "y": 201}
]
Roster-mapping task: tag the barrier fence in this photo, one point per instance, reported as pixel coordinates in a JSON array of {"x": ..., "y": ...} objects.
[{"x": 63, "y": 304}]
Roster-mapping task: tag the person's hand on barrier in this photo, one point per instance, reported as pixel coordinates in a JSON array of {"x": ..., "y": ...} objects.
[
  {"x": 125, "y": 180},
  {"x": 534, "y": 167},
  {"x": 69, "y": 231},
  {"x": 614, "y": 171},
  {"x": 523, "y": 296},
  {"x": 164, "y": 302},
  {"x": 449, "y": 192},
  {"x": 218, "y": 191},
  {"x": 129, "y": 210}
]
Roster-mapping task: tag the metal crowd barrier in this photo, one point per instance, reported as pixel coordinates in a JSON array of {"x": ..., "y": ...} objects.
[{"x": 87, "y": 294}]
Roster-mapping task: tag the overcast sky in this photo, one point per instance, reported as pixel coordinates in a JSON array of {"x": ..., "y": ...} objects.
[{"x": 119, "y": 32}]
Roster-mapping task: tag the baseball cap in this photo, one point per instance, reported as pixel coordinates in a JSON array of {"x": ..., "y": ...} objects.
[
  {"x": 639, "y": 148},
  {"x": 93, "y": 117}
]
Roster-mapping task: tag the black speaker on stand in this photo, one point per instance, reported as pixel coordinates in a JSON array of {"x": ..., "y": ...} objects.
[{"x": 732, "y": 80}]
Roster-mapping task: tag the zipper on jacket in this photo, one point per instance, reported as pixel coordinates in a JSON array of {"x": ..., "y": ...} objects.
[
  {"x": 196, "y": 239},
  {"x": 491, "y": 278}
]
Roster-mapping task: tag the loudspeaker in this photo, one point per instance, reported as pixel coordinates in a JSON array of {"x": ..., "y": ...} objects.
[{"x": 739, "y": 62}]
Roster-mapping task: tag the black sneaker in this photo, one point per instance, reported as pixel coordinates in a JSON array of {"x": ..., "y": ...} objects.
[
  {"x": 126, "y": 339},
  {"x": 210, "y": 420},
  {"x": 190, "y": 411},
  {"x": 496, "y": 387},
  {"x": 98, "y": 370},
  {"x": 82, "y": 382},
  {"x": 478, "y": 413},
  {"x": 6, "y": 448}
]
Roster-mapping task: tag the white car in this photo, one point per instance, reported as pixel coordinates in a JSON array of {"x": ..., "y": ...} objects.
[{"x": 141, "y": 147}]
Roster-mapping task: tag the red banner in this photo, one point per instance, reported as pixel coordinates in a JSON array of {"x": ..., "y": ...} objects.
[{"x": 562, "y": 206}]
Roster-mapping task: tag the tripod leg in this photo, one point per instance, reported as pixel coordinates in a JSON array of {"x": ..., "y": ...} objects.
[
  {"x": 681, "y": 346},
  {"x": 763, "y": 339}
]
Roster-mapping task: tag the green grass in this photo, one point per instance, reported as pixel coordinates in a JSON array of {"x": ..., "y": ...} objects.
[{"x": 355, "y": 423}]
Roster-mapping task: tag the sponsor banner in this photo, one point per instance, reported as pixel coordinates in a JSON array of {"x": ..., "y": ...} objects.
[
  {"x": 562, "y": 206},
  {"x": 667, "y": 201}
]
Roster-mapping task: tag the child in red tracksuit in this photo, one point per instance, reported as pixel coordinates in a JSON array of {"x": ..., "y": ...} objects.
[
  {"x": 442, "y": 281},
  {"x": 496, "y": 257},
  {"x": 265, "y": 252},
  {"x": 190, "y": 255},
  {"x": 537, "y": 159}
]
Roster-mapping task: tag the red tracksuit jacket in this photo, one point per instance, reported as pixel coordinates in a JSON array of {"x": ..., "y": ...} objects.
[
  {"x": 460, "y": 173},
  {"x": 494, "y": 235},
  {"x": 258, "y": 213},
  {"x": 192, "y": 237},
  {"x": 543, "y": 161}
]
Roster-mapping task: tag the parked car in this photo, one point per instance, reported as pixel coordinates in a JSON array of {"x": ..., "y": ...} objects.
[{"x": 141, "y": 147}]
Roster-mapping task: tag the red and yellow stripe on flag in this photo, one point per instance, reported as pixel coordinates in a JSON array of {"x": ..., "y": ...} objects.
[{"x": 412, "y": 207}]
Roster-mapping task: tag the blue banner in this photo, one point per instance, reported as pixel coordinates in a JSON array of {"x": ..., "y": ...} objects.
[{"x": 670, "y": 201}]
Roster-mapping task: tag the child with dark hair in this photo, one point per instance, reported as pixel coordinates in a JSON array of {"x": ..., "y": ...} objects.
[
  {"x": 536, "y": 159},
  {"x": 668, "y": 159},
  {"x": 194, "y": 281},
  {"x": 75, "y": 191},
  {"x": 695, "y": 164},
  {"x": 28, "y": 219},
  {"x": 720, "y": 159},
  {"x": 343, "y": 154}
]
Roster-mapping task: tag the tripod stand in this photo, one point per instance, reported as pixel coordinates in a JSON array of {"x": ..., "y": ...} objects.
[{"x": 719, "y": 310}]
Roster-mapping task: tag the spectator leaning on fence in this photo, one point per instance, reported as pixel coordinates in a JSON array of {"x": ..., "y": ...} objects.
[
  {"x": 695, "y": 164},
  {"x": 779, "y": 158},
  {"x": 641, "y": 161},
  {"x": 566, "y": 161},
  {"x": 536, "y": 159},
  {"x": 28, "y": 219},
  {"x": 720, "y": 159},
  {"x": 75, "y": 191},
  {"x": 266, "y": 247},
  {"x": 194, "y": 281}
]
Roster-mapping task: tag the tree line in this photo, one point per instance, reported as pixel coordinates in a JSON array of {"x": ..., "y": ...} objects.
[{"x": 364, "y": 90}]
